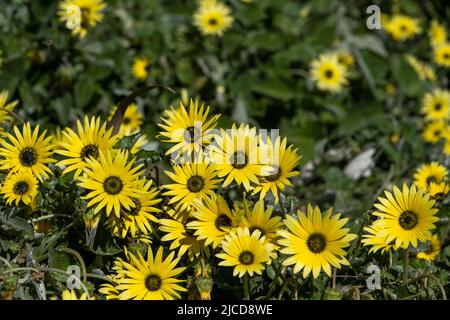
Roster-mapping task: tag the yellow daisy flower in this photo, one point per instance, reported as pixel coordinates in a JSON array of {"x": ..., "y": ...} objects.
[
  {"x": 438, "y": 191},
  {"x": 214, "y": 220},
  {"x": 423, "y": 70},
  {"x": 213, "y": 17},
  {"x": 407, "y": 216},
  {"x": 434, "y": 248},
  {"x": 426, "y": 173},
  {"x": 282, "y": 163},
  {"x": 140, "y": 68},
  {"x": 247, "y": 253},
  {"x": 236, "y": 155},
  {"x": 402, "y": 27},
  {"x": 315, "y": 242},
  {"x": 436, "y": 105},
  {"x": 434, "y": 131},
  {"x": 81, "y": 15},
  {"x": 345, "y": 58},
  {"x": 437, "y": 33},
  {"x": 131, "y": 121},
  {"x": 442, "y": 55},
  {"x": 111, "y": 181},
  {"x": 136, "y": 220},
  {"x": 371, "y": 239},
  {"x": 20, "y": 186},
  {"x": 181, "y": 237},
  {"x": 90, "y": 139},
  {"x": 27, "y": 152},
  {"x": 192, "y": 182},
  {"x": 189, "y": 131},
  {"x": 6, "y": 107},
  {"x": 151, "y": 279},
  {"x": 328, "y": 73},
  {"x": 261, "y": 219}
]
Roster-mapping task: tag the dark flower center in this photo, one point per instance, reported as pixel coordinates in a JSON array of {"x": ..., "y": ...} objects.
[
  {"x": 316, "y": 242},
  {"x": 246, "y": 258},
  {"x": 28, "y": 157},
  {"x": 439, "y": 195},
  {"x": 212, "y": 21},
  {"x": 446, "y": 55},
  {"x": 437, "y": 133},
  {"x": 239, "y": 160},
  {"x": 153, "y": 282},
  {"x": 274, "y": 177},
  {"x": 403, "y": 28},
  {"x": 195, "y": 184},
  {"x": 328, "y": 73},
  {"x": 89, "y": 151},
  {"x": 134, "y": 211},
  {"x": 191, "y": 135},
  {"x": 126, "y": 120},
  {"x": 253, "y": 228},
  {"x": 431, "y": 179},
  {"x": 222, "y": 220},
  {"x": 21, "y": 187},
  {"x": 408, "y": 220},
  {"x": 437, "y": 106},
  {"x": 113, "y": 185}
]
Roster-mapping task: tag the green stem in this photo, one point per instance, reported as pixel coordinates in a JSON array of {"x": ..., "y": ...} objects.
[
  {"x": 405, "y": 267},
  {"x": 246, "y": 287},
  {"x": 283, "y": 209},
  {"x": 79, "y": 258}
]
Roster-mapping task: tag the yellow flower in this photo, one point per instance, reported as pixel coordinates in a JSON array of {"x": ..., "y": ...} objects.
[
  {"x": 72, "y": 295},
  {"x": 214, "y": 220},
  {"x": 131, "y": 121},
  {"x": 6, "y": 107},
  {"x": 81, "y": 15},
  {"x": 150, "y": 279},
  {"x": 247, "y": 253},
  {"x": 434, "y": 131},
  {"x": 139, "y": 144},
  {"x": 27, "y": 152},
  {"x": 442, "y": 55},
  {"x": 371, "y": 239},
  {"x": 90, "y": 139},
  {"x": 345, "y": 58},
  {"x": 237, "y": 156},
  {"x": 402, "y": 27},
  {"x": 407, "y": 216},
  {"x": 20, "y": 186},
  {"x": 328, "y": 73},
  {"x": 212, "y": 17},
  {"x": 437, "y": 34},
  {"x": 140, "y": 68},
  {"x": 262, "y": 219},
  {"x": 192, "y": 182},
  {"x": 434, "y": 248},
  {"x": 281, "y": 166},
  {"x": 111, "y": 181},
  {"x": 438, "y": 191},
  {"x": 436, "y": 105},
  {"x": 181, "y": 237},
  {"x": 190, "y": 131},
  {"x": 426, "y": 173},
  {"x": 423, "y": 70},
  {"x": 315, "y": 242},
  {"x": 136, "y": 220}
]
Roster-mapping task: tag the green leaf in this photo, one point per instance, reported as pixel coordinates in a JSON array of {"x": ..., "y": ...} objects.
[{"x": 406, "y": 77}]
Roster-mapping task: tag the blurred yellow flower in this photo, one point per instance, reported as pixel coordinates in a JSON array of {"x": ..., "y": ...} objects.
[
  {"x": 328, "y": 73},
  {"x": 437, "y": 33},
  {"x": 442, "y": 55},
  {"x": 80, "y": 15},
  {"x": 402, "y": 27},
  {"x": 140, "y": 68},
  {"x": 212, "y": 17},
  {"x": 436, "y": 105},
  {"x": 434, "y": 248}
]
